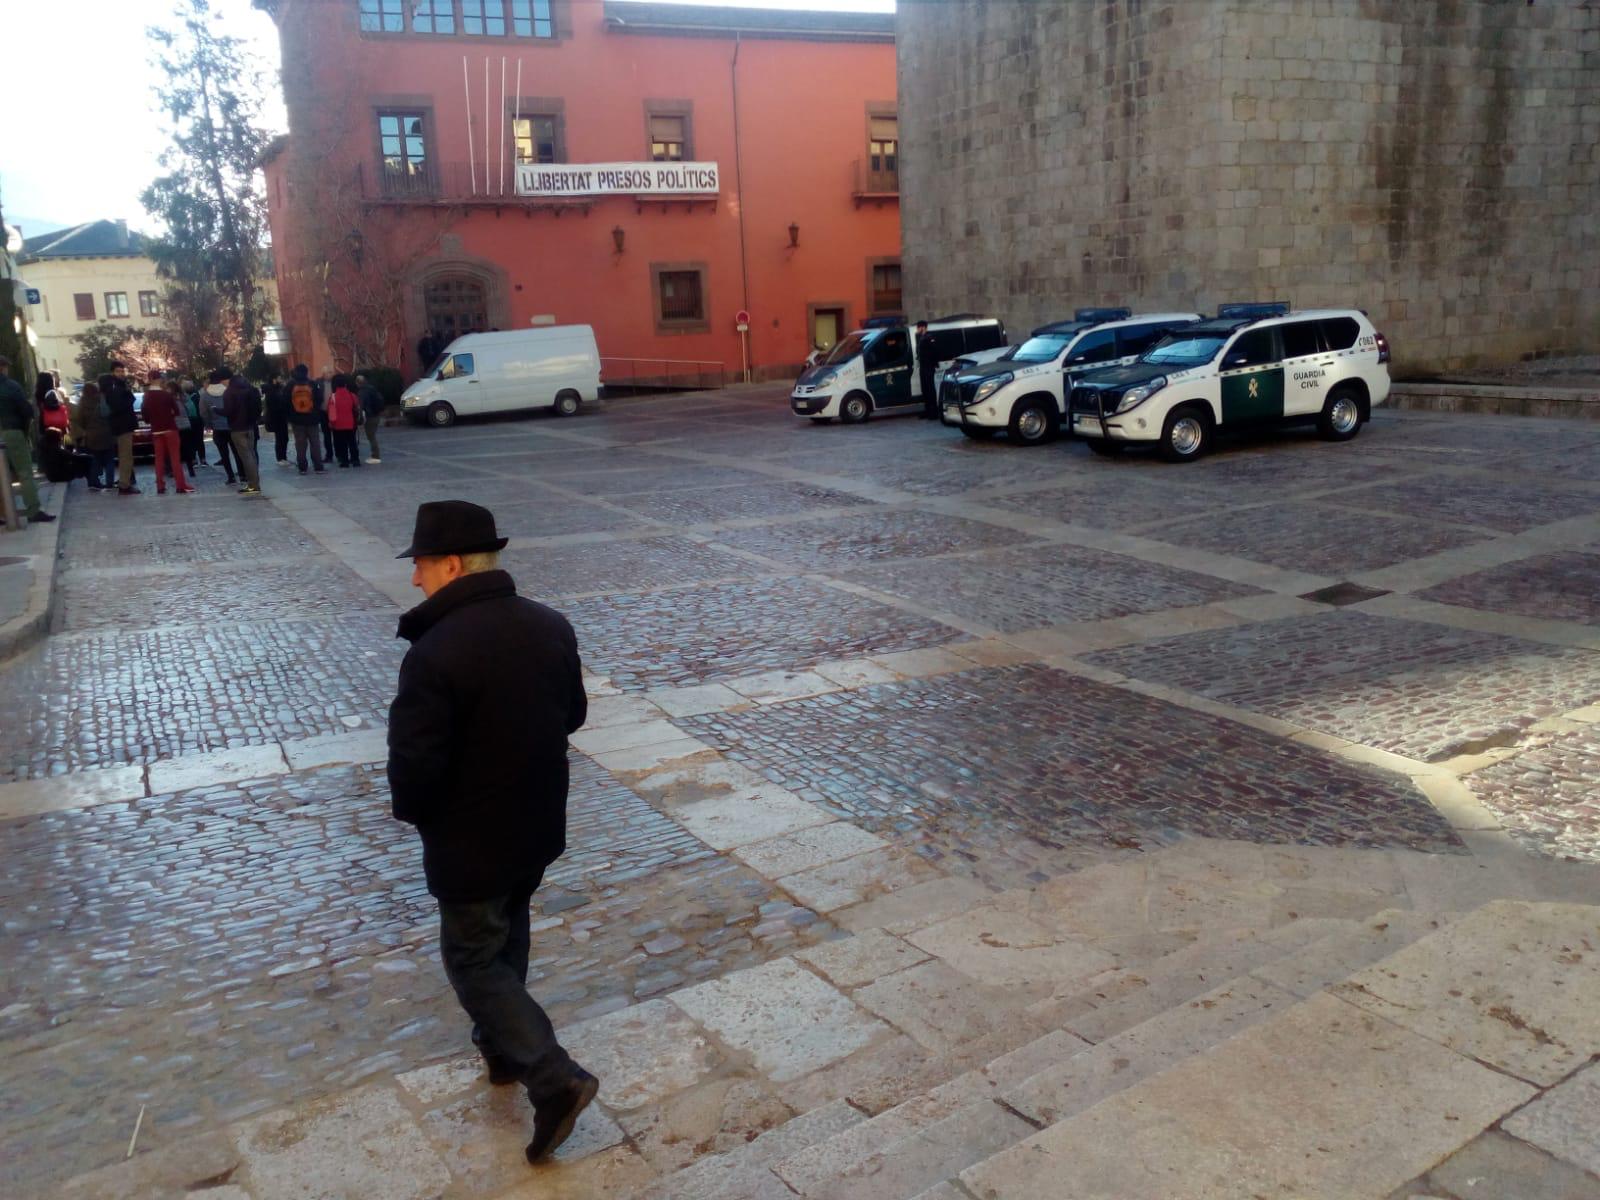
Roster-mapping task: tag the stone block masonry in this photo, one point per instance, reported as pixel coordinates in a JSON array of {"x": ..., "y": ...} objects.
[{"x": 1435, "y": 164}]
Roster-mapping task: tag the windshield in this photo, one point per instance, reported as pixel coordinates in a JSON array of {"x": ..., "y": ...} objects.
[
  {"x": 1189, "y": 348},
  {"x": 847, "y": 349},
  {"x": 1041, "y": 349}
]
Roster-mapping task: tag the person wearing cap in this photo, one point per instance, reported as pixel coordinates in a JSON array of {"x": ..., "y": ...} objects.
[
  {"x": 16, "y": 420},
  {"x": 489, "y": 691}
]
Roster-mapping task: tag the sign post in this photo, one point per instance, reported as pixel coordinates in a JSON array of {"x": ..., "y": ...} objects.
[{"x": 741, "y": 322}]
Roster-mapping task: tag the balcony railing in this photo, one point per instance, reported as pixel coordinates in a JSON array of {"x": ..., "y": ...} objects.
[{"x": 451, "y": 183}]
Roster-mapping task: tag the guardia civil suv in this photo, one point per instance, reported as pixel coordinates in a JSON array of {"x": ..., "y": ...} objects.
[
  {"x": 1251, "y": 365},
  {"x": 1024, "y": 392}
]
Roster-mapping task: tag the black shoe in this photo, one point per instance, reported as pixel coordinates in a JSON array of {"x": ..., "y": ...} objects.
[
  {"x": 553, "y": 1120},
  {"x": 501, "y": 1070},
  {"x": 128, "y": 491},
  {"x": 42, "y": 518},
  {"x": 302, "y": 470}
]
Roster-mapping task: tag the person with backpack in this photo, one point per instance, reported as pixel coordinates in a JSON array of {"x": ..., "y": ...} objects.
[
  {"x": 241, "y": 404},
  {"x": 371, "y": 410},
  {"x": 124, "y": 419},
  {"x": 216, "y": 418},
  {"x": 305, "y": 417},
  {"x": 344, "y": 414},
  {"x": 16, "y": 422},
  {"x": 275, "y": 397},
  {"x": 191, "y": 435},
  {"x": 91, "y": 429}
]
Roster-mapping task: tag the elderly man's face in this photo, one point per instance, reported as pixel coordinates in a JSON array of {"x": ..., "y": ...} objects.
[{"x": 431, "y": 572}]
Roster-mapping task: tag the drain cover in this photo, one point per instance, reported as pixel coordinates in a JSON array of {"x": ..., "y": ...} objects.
[{"x": 1341, "y": 594}]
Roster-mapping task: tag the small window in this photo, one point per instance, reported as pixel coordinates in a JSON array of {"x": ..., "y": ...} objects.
[
  {"x": 433, "y": 16},
  {"x": 682, "y": 297},
  {"x": 669, "y": 138},
  {"x": 982, "y": 337},
  {"x": 886, "y": 288},
  {"x": 883, "y": 154},
  {"x": 458, "y": 366},
  {"x": 1340, "y": 333},
  {"x": 1252, "y": 349},
  {"x": 531, "y": 18},
  {"x": 149, "y": 304},
  {"x": 383, "y": 16},
  {"x": 1300, "y": 339},
  {"x": 404, "y": 146},
  {"x": 84, "y": 303},
  {"x": 484, "y": 18},
  {"x": 1100, "y": 345},
  {"x": 116, "y": 304},
  {"x": 536, "y": 139},
  {"x": 1136, "y": 339}
]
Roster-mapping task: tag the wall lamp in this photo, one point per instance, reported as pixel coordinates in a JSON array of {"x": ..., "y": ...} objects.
[
  {"x": 618, "y": 237},
  {"x": 794, "y": 235}
]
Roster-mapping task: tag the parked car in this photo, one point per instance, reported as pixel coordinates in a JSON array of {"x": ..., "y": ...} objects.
[
  {"x": 553, "y": 366},
  {"x": 1252, "y": 365},
  {"x": 144, "y": 445}
]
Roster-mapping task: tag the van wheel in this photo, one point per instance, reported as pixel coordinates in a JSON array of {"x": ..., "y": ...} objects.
[
  {"x": 855, "y": 408},
  {"x": 441, "y": 415},
  {"x": 978, "y": 433},
  {"x": 1186, "y": 434},
  {"x": 567, "y": 403},
  {"x": 1033, "y": 422},
  {"x": 1340, "y": 419},
  {"x": 1104, "y": 447}
]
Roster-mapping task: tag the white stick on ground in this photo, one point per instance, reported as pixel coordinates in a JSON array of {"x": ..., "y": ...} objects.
[{"x": 134, "y": 1140}]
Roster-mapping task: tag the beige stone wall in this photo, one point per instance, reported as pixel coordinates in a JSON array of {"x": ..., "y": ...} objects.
[{"x": 1436, "y": 162}]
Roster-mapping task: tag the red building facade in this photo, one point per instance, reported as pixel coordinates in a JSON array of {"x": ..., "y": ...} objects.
[{"x": 652, "y": 170}]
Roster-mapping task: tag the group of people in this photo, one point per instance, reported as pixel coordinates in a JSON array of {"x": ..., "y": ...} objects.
[{"x": 93, "y": 437}]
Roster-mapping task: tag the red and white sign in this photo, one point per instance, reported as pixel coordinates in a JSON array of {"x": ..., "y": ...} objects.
[{"x": 741, "y": 320}]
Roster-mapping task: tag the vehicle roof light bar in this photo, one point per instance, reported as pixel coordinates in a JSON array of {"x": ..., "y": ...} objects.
[
  {"x": 1255, "y": 311},
  {"x": 1102, "y": 314}
]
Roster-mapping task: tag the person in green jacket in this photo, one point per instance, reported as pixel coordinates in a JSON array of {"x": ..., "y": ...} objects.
[{"x": 16, "y": 420}]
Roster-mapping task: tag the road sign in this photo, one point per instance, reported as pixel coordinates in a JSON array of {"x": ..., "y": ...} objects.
[{"x": 742, "y": 320}]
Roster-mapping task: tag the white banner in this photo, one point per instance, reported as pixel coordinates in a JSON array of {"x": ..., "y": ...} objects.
[{"x": 617, "y": 179}]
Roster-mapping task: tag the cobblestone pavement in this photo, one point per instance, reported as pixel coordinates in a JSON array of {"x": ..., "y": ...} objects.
[{"x": 248, "y": 942}]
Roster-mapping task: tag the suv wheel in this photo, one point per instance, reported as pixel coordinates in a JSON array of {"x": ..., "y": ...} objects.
[
  {"x": 1186, "y": 435},
  {"x": 1033, "y": 422},
  {"x": 1341, "y": 416},
  {"x": 855, "y": 408}
]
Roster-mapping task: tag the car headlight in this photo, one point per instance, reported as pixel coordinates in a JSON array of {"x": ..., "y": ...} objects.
[
  {"x": 1138, "y": 395},
  {"x": 990, "y": 386}
]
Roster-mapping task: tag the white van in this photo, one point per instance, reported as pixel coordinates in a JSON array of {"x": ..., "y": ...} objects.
[
  {"x": 554, "y": 366},
  {"x": 877, "y": 369},
  {"x": 1251, "y": 365},
  {"x": 1025, "y": 392}
]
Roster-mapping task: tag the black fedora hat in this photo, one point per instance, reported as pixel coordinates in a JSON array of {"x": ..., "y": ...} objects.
[{"x": 452, "y": 527}]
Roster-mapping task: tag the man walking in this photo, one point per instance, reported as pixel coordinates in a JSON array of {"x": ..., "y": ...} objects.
[
  {"x": 16, "y": 420},
  {"x": 241, "y": 404},
  {"x": 489, "y": 690},
  {"x": 371, "y": 410},
  {"x": 305, "y": 417},
  {"x": 114, "y": 390}
]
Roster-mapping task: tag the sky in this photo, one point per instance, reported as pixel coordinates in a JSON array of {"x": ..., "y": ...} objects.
[{"x": 83, "y": 135}]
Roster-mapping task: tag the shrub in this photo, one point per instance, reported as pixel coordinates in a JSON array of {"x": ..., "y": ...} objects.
[{"x": 387, "y": 380}]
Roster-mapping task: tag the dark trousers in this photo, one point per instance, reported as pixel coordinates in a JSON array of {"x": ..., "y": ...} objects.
[
  {"x": 484, "y": 945},
  {"x": 192, "y": 442},
  {"x": 327, "y": 439},
  {"x": 223, "y": 441},
  {"x": 345, "y": 448},
  {"x": 280, "y": 443}
]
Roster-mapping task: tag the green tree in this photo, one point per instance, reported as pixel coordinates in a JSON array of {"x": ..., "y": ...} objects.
[{"x": 209, "y": 200}]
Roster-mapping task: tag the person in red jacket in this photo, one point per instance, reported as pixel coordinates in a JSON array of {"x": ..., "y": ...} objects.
[
  {"x": 160, "y": 410},
  {"x": 344, "y": 414}
]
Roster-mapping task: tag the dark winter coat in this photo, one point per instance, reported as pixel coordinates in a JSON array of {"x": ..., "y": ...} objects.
[
  {"x": 16, "y": 410},
  {"x": 241, "y": 404},
  {"x": 277, "y": 405},
  {"x": 371, "y": 400},
  {"x": 119, "y": 401},
  {"x": 489, "y": 691},
  {"x": 315, "y": 416}
]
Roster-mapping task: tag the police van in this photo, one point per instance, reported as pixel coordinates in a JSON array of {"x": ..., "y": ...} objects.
[
  {"x": 1024, "y": 394},
  {"x": 1251, "y": 365},
  {"x": 877, "y": 369}
]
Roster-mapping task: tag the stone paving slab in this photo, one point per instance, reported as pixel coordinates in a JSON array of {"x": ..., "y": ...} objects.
[
  {"x": 1479, "y": 502},
  {"x": 867, "y": 537},
  {"x": 1565, "y": 1121},
  {"x": 1493, "y": 1166},
  {"x": 1564, "y": 586},
  {"x": 1548, "y": 796}
]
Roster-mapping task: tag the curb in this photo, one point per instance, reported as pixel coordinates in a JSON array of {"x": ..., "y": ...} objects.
[
  {"x": 1500, "y": 401},
  {"x": 21, "y": 633}
]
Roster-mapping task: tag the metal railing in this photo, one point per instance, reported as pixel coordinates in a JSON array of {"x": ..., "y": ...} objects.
[
  {"x": 450, "y": 182},
  {"x": 662, "y": 374}
]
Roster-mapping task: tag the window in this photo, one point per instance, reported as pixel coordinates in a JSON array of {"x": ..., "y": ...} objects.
[
  {"x": 149, "y": 304},
  {"x": 531, "y": 18},
  {"x": 1340, "y": 333},
  {"x": 1252, "y": 349},
  {"x": 681, "y": 296},
  {"x": 883, "y": 154},
  {"x": 1300, "y": 338},
  {"x": 1136, "y": 339},
  {"x": 536, "y": 138},
  {"x": 116, "y": 304},
  {"x": 383, "y": 16},
  {"x": 886, "y": 287},
  {"x": 890, "y": 350},
  {"x": 459, "y": 366},
  {"x": 982, "y": 337},
  {"x": 480, "y": 17},
  {"x": 433, "y": 16},
  {"x": 669, "y": 138},
  {"x": 403, "y": 144},
  {"x": 1097, "y": 346},
  {"x": 84, "y": 303}
]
